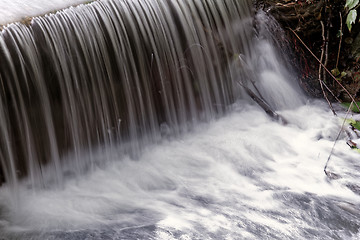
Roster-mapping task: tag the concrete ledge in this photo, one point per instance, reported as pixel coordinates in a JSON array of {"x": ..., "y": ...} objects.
[{"x": 27, "y": 16}]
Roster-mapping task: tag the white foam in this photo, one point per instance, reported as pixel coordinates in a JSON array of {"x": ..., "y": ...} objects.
[{"x": 224, "y": 178}]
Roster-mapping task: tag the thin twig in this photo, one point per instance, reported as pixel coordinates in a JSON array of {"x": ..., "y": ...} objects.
[
  {"x": 326, "y": 50},
  {"x": 327, "y": 70},
  {"x": 337, "y": 138},
  {"x": 341, "y": 33},
  {"x": 327, "y": 88},
  {"x": 328, "y": 13},
  {"x": 263, "y": 104},
  {"x": 286, "y": 5},
  {"x": 320, "y": 68},
  {"x": 321, "y": 57}
]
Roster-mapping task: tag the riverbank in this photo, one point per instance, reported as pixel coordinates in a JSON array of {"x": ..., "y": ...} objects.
[{"x": 321, "y": 25}]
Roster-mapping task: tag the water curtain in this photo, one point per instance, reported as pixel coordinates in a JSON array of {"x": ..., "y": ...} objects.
[{"x": 114, "y": 75}]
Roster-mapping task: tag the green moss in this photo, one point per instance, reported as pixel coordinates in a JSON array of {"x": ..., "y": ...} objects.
[
  {"x": 353, "y": 108},
  {"x": 355, "y": 124}
]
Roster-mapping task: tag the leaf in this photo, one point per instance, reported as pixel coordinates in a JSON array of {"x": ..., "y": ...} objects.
[
  {"x": 351, "y": 3},
  {"x": 343, "y": 74},
  {"x": 351, "y": 18},
  {"x": 356, "y": 125},
  {"x": 335, "y": 72},
  {"x": 339, "y": 34},
  {"x": 354, "y": 108}
]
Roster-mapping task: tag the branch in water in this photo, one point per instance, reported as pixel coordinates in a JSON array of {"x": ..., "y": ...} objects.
[
  {"x": 262, "y": 103},
  {"x": 327, "y": 173}
]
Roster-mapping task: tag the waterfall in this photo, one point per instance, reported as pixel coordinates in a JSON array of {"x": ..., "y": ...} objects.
[
  {"x": 114, "y": 74},
  {"x": 144, "y": 119}
]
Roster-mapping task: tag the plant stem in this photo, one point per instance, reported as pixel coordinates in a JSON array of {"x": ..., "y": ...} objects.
[
  {"x": 341, "y": 33},
  {"x": 321, "y": 65}
]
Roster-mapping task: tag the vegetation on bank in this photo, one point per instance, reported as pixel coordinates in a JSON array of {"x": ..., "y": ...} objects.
[
  {"x": 329, "y": 30},
  {"x": 325, "y": 37}
]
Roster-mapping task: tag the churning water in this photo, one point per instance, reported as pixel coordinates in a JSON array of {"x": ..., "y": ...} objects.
[
  {"x": 203, "y": 162},
  {"x": 241, "y": 177}
]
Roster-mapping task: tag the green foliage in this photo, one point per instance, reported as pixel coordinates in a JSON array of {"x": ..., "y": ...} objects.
[
  {"x": 339, "y": 75},
  {"x": 351, "y": 5},
  {"x": 354, "y": 123},
  {"x": 335, "y": 72},
  {"x": 357, "y": 125},
  {"x": 353, "y": 108},
  {"x": 351, "y": 18}
]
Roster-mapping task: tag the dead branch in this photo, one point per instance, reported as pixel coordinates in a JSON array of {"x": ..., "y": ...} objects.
[
  {"x": 300, "y": 9},
  {"x": 263, "y": 104},
  {"x": 287, "y": 5},
  {"x": 331, "y": 92},
  {"x": 301, "y": 12}
]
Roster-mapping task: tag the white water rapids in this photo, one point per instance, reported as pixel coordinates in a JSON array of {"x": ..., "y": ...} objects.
[{"x": 241, "y": 177}]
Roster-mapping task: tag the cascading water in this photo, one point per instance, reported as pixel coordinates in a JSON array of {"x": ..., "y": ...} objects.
[
  {"x": 109, "y": 129},
  {"x": 113, "y": 71}
]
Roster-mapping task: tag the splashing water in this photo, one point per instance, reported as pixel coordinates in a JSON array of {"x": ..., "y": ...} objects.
[
  {"x": 113, "y": 72},
  {"x": 241, "y": 176}
]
